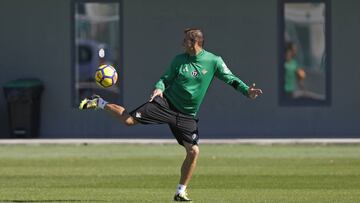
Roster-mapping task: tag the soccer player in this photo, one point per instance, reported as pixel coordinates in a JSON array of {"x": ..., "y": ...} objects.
[
  {"x": 177, "y": 97},
  {"x": 292, "y": 72}
]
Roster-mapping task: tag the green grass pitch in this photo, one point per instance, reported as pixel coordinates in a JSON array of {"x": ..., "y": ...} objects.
[{"x": 150, "y": 173}]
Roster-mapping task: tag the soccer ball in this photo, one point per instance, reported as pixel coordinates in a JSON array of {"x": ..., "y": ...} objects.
[{"x": 106, "y": 76}]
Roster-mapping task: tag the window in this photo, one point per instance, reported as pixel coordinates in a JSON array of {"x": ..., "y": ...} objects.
[
  {"x": 96, "y": 41},
  {"x": 304, "y": 52}
]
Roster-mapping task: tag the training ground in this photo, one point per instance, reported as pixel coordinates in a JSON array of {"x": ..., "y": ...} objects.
[{"x": 255, "y": 171}]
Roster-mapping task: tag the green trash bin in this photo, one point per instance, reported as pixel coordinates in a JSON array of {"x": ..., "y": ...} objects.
[{"x": 23, "y": 99}]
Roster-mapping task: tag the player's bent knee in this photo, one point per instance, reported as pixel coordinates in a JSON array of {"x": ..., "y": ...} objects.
[
  {"x": 130, "y": 121},
  {"x": 194, "y": 151}
]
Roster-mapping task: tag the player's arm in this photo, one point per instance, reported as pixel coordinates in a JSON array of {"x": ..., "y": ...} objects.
[
  {"x": 165, "y": 80},
  {"x": 224, "y": 74},
  {"x": 300, "y": 76}
]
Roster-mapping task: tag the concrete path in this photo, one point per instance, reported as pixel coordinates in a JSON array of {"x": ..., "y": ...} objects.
[{"x": 173, "y": 141}]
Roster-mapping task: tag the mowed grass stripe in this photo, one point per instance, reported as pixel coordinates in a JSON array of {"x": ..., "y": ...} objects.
[
  {"x": 199, "y": 181},
  {"x": 170, "y": 166}
]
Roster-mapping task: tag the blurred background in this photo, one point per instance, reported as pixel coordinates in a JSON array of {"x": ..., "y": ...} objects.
[
  {"x": 97, "y": 42},
  {"x": 306, "y": 30},
  {"x": 61, "y": 43}
]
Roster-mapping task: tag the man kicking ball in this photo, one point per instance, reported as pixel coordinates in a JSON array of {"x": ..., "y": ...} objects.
[{"x": 177, "y": 98}]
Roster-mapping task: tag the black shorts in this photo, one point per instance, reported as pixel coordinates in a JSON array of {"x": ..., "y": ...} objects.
[{"x": 160, "y": 111}]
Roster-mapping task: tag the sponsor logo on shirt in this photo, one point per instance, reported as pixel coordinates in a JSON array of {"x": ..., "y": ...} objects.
[
  {"x": 185, "y": 69},
  {"x": 204, "y": 71}
]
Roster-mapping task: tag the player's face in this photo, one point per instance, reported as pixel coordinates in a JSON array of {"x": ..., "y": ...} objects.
[
  {"x": 288, "y": 55},
  {"x": 188, "y": 45},
  {"x": 294, "y": 50}
]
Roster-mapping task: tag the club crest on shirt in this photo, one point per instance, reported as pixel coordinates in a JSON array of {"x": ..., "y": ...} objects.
[{"x": 194, "y": 73}]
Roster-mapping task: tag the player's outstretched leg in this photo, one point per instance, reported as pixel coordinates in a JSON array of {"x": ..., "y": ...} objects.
[
  {"x": 187, "y": 169},
  {"x": 120, "y": 113},
  {"x": 96, "y": 102}
]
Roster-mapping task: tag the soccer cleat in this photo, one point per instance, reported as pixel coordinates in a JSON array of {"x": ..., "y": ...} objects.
[
  {"x": 90, "y": 103},
  {"x": 182, "y": 197}
]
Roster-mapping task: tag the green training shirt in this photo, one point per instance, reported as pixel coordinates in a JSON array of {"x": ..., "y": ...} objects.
[
  {"x": 290, "y": 75},
  {"x": 186, "y": 81}
]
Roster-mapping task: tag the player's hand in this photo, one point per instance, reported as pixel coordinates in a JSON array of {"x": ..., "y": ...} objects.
[
  {"x": 254, "y": 92},
  {"x": 156, "y": 92}
]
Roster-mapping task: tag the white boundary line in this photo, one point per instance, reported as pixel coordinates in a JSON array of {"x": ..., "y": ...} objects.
[{"x": 173, "y": 141}]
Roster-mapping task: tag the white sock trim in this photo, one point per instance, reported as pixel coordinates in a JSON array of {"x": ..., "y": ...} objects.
[
  {"x": 102, "y": 103},
  {"x": 180, "y": 189}
]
